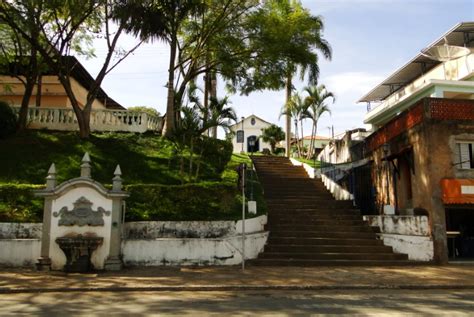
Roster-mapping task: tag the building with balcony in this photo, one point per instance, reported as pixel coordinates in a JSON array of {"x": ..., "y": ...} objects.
[
  {"x": 50, "y": 107},
  {"x": 420, "y": 151}
]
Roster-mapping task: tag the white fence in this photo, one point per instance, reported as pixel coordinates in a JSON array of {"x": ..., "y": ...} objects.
[{"x": 101, "y": 120}]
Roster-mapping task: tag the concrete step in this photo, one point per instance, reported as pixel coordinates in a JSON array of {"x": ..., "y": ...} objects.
[
  {"x": 322, "y": 241},
  {"x": 294, "y": 219},
  {"x": 306, "y": 262},
  {"x": 330, "y": 221},
  {"x": 315, "y": 228},
  {"x": 283, "y": 204},
  {"x": 315, "y": 210},
  {"x": 334, "y": 256},
  {"x": 289, "y": 248},
  {"x": 323, "y": 234}
]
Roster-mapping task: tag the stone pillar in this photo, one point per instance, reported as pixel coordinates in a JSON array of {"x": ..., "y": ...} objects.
[
  {"x": 44, "y": 262},
  {"x": 114, "y": 260},
  {"x": 86, "y": 166}
]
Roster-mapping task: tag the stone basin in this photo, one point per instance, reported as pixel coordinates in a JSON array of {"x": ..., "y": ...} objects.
[{"x": 78, "y": 250}]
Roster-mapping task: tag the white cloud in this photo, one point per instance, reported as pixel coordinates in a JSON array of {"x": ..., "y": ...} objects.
[{"x": 353, "y": 84}]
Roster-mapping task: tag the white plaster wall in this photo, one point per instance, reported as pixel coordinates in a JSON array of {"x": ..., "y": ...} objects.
[
  {"x": 249, "y": 130},
  {"x": 336, "y": 190},
  {"x": 15, "y": 230},
  {"x": 405, "y": 225},
  {"x": 99, "y": 256},
  {"x": 312, "y": 172},
  {"x": 418, "y": 248},
  {"x": 405, "y": 234},
  {"x": 191, "y": 229},
  {"x": 252, "y": 225},
  {"x": 19, "y": 252},
  {"x": 168, "y": 251}
]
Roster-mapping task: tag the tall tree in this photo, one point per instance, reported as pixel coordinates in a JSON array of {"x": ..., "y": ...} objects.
[
  {"x": 316, "y": 107},
  {"x": 295, "y": 108},
  {"x": 291, "y": 38},
  {"x": 62, "y": 25},
  {"x": 20, "y": 60},
  {"x": 162, "y": 20}
]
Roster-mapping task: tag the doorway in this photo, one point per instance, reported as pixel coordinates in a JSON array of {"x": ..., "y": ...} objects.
[
  {"x": 460, "y": 233},
  {"x": 253, "y": 140}
]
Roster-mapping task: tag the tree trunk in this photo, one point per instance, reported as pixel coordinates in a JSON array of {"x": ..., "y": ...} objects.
[
  {"x": 297, "y": 139},
  {"x": 39, "y": 91},
  {"x": 311, "y": 143},
  {"x": 213, "y": 82},
  {"x": 82, "y": 116},
  {"x": 288, "y": 116},
  {"x": 25, "y": 101},
  {"x": 207, "y": 88},
  {"x": 170, "y": 124},
  {"x": 191, "y": 149},
  {"x": 302, "y": 139}
]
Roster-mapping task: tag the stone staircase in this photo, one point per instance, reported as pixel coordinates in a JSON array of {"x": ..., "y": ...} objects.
[{"x": 308, "y": 227}]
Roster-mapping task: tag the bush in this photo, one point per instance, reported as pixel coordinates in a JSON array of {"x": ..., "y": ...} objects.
[
  {"x": 201, "y": 201},
  {"x": 217, "y": 154},
  {"x": 18, "y": 204},
  {"x": 147, "y": 202},
  {"x": 7, "y": 120},
  {"x": 280, "y": 151},
  {"x": 189, "y": 202}
]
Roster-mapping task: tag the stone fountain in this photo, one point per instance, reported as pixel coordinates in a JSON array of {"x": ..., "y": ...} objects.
[{"x": 81, "y": 223}]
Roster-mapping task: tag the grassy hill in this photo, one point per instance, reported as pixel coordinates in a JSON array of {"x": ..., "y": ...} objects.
[
  {"x": 143, "y": 158},
  {"x": 156, "y": 172}
]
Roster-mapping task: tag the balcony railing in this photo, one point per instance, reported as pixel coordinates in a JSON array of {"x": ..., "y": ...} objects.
[
  {"x": 427, "y": 108},
  {"x": 101, "y": 120}
]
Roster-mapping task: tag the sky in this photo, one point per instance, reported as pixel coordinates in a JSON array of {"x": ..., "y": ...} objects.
[{"x": 370, "y": 40}]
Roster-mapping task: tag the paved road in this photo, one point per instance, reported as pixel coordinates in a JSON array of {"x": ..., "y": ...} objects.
[{"x": 271, "y": 303}]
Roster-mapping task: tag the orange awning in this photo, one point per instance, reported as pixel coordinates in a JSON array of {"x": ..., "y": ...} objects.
[{"x": 458, "y": 191}]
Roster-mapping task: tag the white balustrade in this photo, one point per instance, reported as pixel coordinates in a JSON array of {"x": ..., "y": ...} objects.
[{"x": 101, "y": 120}]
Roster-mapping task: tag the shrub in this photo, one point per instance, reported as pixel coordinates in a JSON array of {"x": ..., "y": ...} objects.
[
  {"x": 200, "y": 201},
  {"x": 7, "y": 120},
  {"x": 18, "y": 204},
  {"x": 147, "y": 110},
  {"x": 217, "y": 154}
]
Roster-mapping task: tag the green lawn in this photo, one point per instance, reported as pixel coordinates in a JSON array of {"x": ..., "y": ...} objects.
[{"x": 312, "y": 163}]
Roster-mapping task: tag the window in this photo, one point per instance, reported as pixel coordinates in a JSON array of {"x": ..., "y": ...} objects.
[
  {"x": 464, "y": 155},
  {"x": 252, "y": 121}
]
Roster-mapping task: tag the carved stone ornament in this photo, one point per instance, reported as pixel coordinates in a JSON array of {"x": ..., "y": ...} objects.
[{"x": 82, "y": 214}]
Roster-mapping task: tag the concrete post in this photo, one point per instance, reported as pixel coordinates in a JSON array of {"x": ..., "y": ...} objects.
[
  {"x": 117, "y": 180},
  {"x": 51, "y": 178},
  {"x": 85, "y": 166},
  {"x": 44, "y": 262},
  {"x": 114, "y": 261}
]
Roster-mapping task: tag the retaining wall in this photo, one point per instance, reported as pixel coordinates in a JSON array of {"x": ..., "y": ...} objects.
[
  {"x": 405, "y": 234},
  {"x": 153, "y": 243}
]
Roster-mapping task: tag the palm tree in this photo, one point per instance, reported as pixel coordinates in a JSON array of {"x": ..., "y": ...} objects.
[
  {"x": 316, "y": 107},
  {"x": 273, "y": 134},
  {"x": 295, "y": 108},
  {"x": 220, "y": 114},
  {"x": 162, "y": 20},
  {"x": 304, "y": 33}
]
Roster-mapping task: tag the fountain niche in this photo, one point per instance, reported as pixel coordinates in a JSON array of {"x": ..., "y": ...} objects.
[
  {"x": 78, "y": 250},
  {"x": 81, "y": 223}
]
